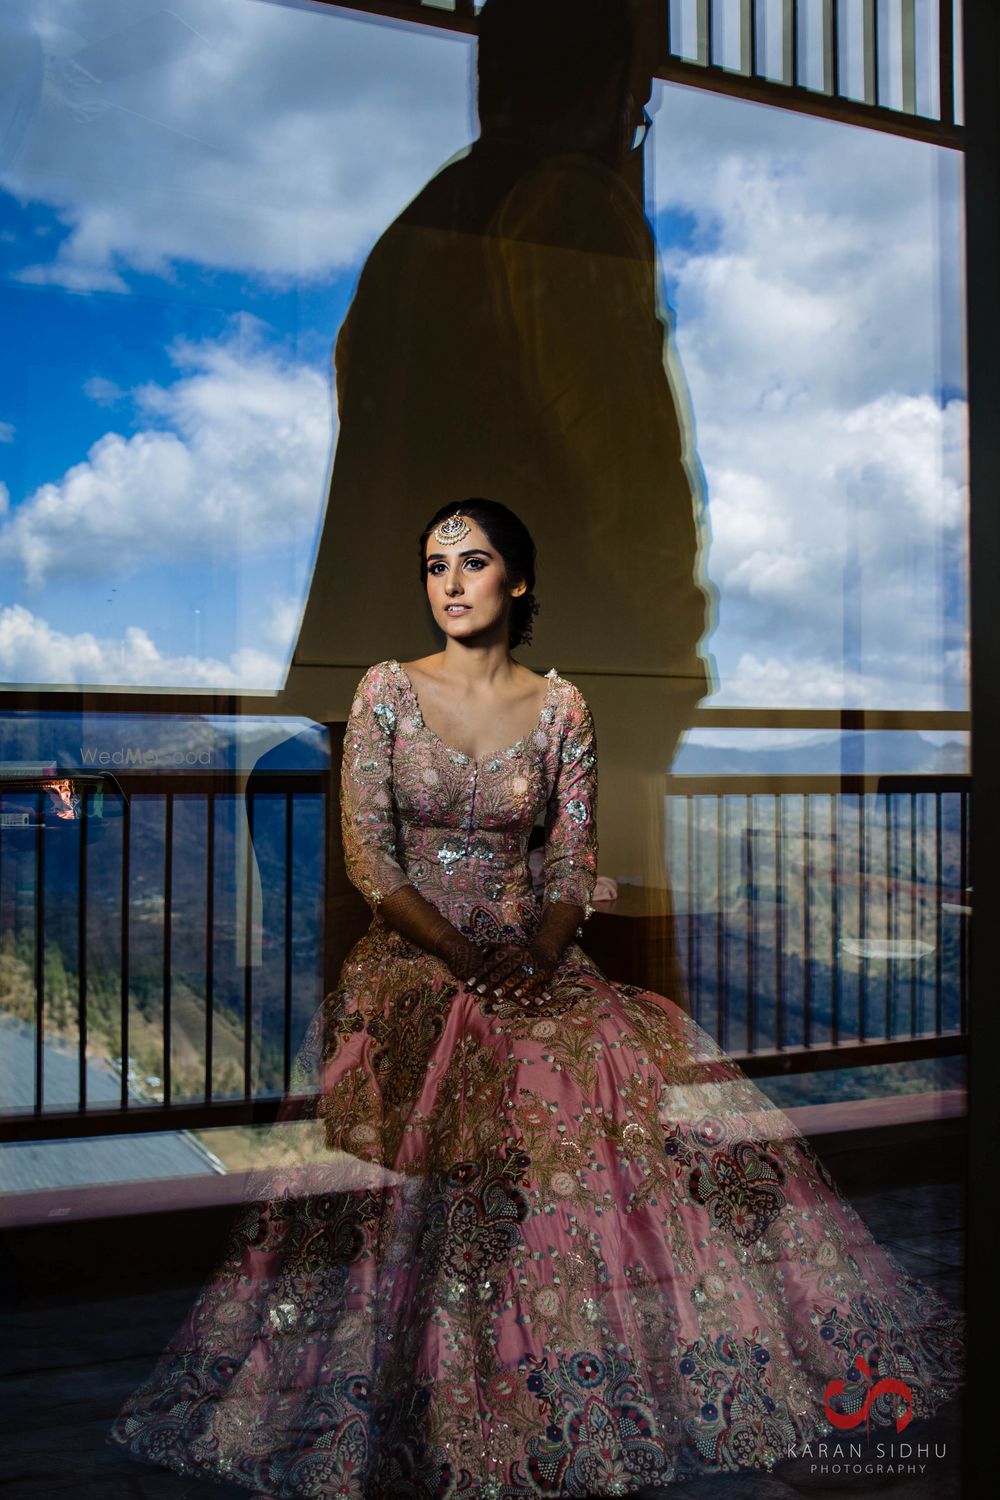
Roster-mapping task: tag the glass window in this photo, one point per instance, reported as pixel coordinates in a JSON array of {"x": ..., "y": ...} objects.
[
  {"x": 547, "y": 1017},
  {"x": 189, "y": 193}
]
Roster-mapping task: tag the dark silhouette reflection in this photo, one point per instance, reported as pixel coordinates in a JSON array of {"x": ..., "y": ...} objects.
[{"x": 507, "y": 339}]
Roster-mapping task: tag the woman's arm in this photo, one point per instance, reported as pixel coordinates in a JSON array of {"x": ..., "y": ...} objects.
[
  {"x": 570, "y": 865},
  {"x": 420, "y": 922},
  {"x": 368, "y": 829},
  {"x": 367, "y": 814},
  {"x": 570, "y": 862}
]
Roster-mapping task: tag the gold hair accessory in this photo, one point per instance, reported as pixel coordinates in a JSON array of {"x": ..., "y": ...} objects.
[{"x": 452, "y": 530}]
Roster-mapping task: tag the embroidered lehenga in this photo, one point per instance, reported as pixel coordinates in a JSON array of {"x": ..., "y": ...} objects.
[{"x": 581, "y": 1253}]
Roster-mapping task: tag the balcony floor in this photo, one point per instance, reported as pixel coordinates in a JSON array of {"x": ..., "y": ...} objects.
[{"x": 69, "y": 1362}]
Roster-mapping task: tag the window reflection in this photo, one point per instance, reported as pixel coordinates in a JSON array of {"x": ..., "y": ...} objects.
[
  {"x": 723, "y": 385},
  {"x": 187, "y": 195}
]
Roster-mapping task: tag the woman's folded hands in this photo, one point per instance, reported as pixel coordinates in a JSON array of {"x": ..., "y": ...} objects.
[
  {"x": 514, "y": 969},
  {"x": 503, "y": 970},
  {"x": 524, "y": 971}
]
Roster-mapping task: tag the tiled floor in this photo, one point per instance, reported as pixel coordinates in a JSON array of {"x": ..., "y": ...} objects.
[{"x": 68, "y": 1365}]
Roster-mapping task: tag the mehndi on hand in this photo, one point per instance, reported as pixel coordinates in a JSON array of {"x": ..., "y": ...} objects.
[
  {"x": 514, "y": 970},
  {"x": 420, "y": 921}
]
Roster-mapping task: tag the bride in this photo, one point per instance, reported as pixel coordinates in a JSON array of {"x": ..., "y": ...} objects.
[{"x": 551, "y": 1241}]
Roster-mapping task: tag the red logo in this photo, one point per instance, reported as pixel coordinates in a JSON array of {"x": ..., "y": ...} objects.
[{"x": 881, "y": 1387}]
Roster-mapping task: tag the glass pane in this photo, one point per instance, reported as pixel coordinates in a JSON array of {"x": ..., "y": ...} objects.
[
  {"x": 814, "y": 272},
  {"x": 184, "y": 218},
  {"x": 524, "y": 1034}
]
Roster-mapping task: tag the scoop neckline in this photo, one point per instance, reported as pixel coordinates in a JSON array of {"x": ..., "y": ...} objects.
[{"x": 473, "y": 760}]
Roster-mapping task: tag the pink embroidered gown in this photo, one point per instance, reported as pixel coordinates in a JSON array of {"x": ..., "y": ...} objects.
[{"x": 581, "y": 1252}]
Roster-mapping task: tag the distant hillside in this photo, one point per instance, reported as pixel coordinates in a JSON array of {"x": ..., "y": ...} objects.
[{"x": 882, "y": 753}]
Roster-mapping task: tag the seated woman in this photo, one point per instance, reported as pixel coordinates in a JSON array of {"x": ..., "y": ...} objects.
[{"x": 583, "y": 1254}]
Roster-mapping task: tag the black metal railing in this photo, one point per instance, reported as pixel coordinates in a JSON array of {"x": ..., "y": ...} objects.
[
  {"x": 822, "y": 922},
  {"x": 189, "y": 913},
  {"x": 894, "y": 67},
  {"x": 825, "y": 914},
  {"x": 889, "y": 67}
]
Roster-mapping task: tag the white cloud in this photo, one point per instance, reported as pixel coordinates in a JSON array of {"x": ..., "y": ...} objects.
[
  {"x": 252, "y": 137},
  {"x": 827, "y": 255},
  {"x": 817, "y": 318},
  {"x": 795, "y": 679},
  {"x": 67, "y": 271},
  {"x": 7, "y": 432},
  {"x": 31, "y": 651},
  {"x": 103, "y": 392},
  {"x": 281, "y": 626},
  {"x": 829, "y": 525},
  {"x": 231, "y": 463}
]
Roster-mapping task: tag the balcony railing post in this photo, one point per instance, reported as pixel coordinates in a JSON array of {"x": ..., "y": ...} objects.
[
  {"x": 790, "y": 43},
  {"x": 946, "y": 61},
  {"x": 210, "y": 814},
  {"x": 807, "y": 960},
  {"x": 908, "y": 56},
  {"x": 249, "y": 906},
  {"x": 869, "y": 52},
  {"x": 286, "y": 1037},
  {"x": 835, "y": 996},
  {"x": 39, "y": 915},
  {"x": 704, "y": 29},
  {"x": 125, "y": 959},
  {"x": 168, "y": 886},
  {"x": 81, "y": 951},
  {"x": 721, "y": 830},
  {"x": 779, "y": 929}
]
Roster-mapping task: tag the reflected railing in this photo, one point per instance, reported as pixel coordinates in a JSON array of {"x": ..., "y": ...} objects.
[
  {"x": 170, "y": 937},
  {"x": 898, "y": 64},
  {"x": 889, "y": 67},
  {"x": 181, "y": 940},
  {"x": 819, "y": 916}
]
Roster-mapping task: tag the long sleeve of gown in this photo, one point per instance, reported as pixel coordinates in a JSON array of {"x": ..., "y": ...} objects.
[
  {"x": 367, "y": 811},
  {"x": 570, "y": 853}
]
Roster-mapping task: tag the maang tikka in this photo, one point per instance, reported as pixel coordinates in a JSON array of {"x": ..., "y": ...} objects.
[{"x": 452, "y": 530}]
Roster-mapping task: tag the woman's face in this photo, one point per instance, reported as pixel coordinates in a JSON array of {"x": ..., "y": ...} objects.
[{"x": 467, "y": 584}]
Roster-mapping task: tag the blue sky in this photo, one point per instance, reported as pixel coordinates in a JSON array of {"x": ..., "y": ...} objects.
[
  {"x": 76, "y": 337},
  {"x": 185, "y": 203},
  {"x": 86, "y": 353}
]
